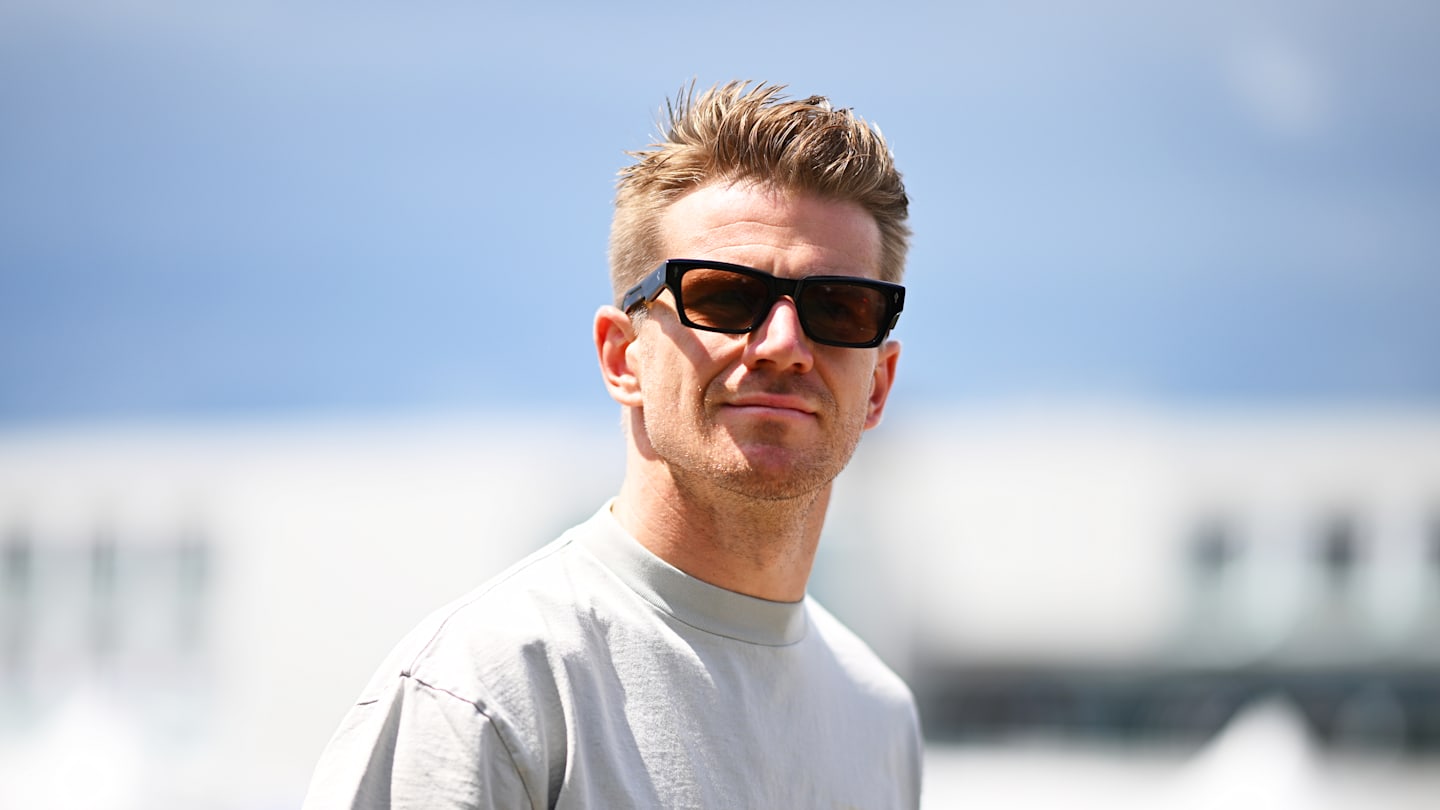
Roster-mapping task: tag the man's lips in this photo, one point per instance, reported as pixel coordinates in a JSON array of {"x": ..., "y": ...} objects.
[{"x": 773, "y": 402}]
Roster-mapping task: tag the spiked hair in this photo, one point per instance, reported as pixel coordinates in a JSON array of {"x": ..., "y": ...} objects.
[{"x": 738, "y": 133}]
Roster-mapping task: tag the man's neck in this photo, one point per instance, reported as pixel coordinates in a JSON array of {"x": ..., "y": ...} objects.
[{"x": 761, "y": 548}]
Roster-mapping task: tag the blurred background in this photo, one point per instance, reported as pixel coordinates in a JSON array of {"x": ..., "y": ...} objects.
[{"x": 295, "y": 303}]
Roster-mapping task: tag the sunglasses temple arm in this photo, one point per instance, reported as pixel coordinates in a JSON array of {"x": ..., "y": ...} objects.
[{"x": 637, "y": 294}]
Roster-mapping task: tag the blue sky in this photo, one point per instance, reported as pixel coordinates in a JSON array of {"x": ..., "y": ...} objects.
[{"x": 261, "y": 208}]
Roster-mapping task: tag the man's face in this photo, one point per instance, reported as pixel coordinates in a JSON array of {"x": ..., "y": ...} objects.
[{"x": 767, "y": 414}]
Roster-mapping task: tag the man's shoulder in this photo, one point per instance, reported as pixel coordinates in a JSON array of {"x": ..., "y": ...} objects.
[
  {"x": 861, "y": 665},
  {"x": 495, "y": 638}
]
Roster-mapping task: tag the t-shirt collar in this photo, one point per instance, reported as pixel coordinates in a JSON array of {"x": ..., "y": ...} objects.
[{"x": 690, "y": 600}]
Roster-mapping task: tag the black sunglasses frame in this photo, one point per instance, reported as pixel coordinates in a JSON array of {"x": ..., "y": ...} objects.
[{"x": 667, "y": 276}]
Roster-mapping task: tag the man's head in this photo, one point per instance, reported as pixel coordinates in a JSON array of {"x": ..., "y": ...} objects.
[
  {"x": 760, "y": 362},
  {"x": 739, "y": 133}
]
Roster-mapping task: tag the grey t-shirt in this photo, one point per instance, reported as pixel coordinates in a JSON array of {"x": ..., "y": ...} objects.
[{"x": 593, "y": 674}]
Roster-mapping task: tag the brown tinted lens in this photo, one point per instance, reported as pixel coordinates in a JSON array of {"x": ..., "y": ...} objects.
[
  {"x": 843, "y": 313},
  {"x": 722, "y": 299}
]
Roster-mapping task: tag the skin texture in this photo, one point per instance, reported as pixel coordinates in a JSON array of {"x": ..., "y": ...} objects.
[{"x": 734, "y": 440}]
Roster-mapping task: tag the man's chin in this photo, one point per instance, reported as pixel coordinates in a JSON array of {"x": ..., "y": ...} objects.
[
  {"x": 767, "y": 490},
  {"x": 768, "y": 472}
]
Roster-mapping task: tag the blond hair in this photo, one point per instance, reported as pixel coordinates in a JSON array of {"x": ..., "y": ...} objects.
[{"x": 738, "y": 132}]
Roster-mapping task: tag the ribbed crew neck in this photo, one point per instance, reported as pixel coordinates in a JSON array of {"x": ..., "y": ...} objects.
[{"x": 693, "y": 601}]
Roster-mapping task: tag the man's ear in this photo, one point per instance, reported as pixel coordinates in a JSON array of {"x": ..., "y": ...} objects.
[
  {"x": 614, "y": 335},
  {"x": 883, "y": 380}
]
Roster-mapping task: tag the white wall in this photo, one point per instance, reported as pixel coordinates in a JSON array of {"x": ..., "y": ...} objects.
[{"x": 964, "y": 537}]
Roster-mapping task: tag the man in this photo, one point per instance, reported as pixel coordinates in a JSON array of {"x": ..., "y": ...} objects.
[{"x": 664, "y": 654}]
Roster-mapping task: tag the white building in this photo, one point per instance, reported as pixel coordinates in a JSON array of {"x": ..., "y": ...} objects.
[{"x": 188, "y": 611}]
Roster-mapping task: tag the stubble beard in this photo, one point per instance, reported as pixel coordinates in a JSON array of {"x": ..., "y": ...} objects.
[{"x": 768, "y": 463}]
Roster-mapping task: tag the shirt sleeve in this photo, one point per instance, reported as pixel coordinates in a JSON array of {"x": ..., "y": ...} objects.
[{"x": 417, "y": 747}]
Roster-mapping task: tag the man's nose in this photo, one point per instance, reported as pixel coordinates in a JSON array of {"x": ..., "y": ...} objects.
[{"x": 780, "y": 339}]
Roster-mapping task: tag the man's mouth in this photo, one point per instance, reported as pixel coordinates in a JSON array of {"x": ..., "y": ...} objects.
[{"x": 780, "y": 404}]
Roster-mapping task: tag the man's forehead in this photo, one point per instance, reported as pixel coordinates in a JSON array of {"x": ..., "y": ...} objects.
[{"x": 760, "y": 225}]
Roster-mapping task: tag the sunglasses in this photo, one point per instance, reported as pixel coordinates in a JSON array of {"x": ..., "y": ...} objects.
[{"x": 846, "y": 311}]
